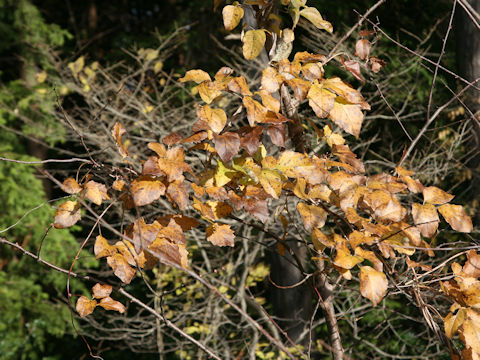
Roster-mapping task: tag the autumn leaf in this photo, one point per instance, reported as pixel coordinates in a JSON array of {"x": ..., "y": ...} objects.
[
  {"x": 170, "y": 162},
  {"x": 121, "y": 268},
  {"x": 313, "y": 15},
  {"x": 271, "y": 182},
  {"x": 95, "y": 192},
  {"x": 256, "y": 112},
  {"x": 215, "y": 118},
  {"x": 426, "y": 218},
  {"x": 109, "y": 304},
  {"x": 239, "y": 85},
  {"x": 373, "y": 284},
  {"x": 197, "y": 76},
  {"x": 227, "y": 145},
  {"x": 345, "y": 260},
  {"x": 471, "y": 330},
  {"x": 348, "y": 116},
  {"x": 271, "y": 80},
  {"x": 67, "y": 215},
  {"x": 171, "y": 139},
  {"x": 71, "y": 186},
  {"x": 271, "y": 103},
  {"x": 185, "y": 222},
  {"x": 85, "y": 306},
  {"x": 436, "y": 196},
  {"x": 253, "y": 42},
  {"x": 456, "y": 217},
  {"x": 208, "y": 91},
  {"x": 362, "y": 48},
  {"x": 452, "y": 322},
  {"x": 312, "y": 216},
  {"x": 102, "y": 248},
  {"x": 276, "y": 132},
  {"x": 178, "y": 192},
  {"x": 101, "y": 291},
  {"x": 117, "y": 132},
  {"x": 320, "y": 100},
  {"x": 231, "y": 16},
  {"x": 146, "y": 190},
  {"x": 250, "y": 138},
  {"x": 220, "y": 235},
  {"x": 168, "y": 252}
]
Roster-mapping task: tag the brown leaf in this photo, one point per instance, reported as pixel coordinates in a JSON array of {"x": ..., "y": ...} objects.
[
  {"x": 271, "y": 80},
  {"x": 299, "y": 87},
  {"x": 109, "y": 304},
  {"x": 457, "y": 218},
  {"x": 167, "y": 252},
  {"x": 472, "y": 265},
  {"x": 185, "y": 222},
  {"x": 117, "y": 132},
  {"x": 256, "y": 112},
  {"x": 173, "y": 232},
  {"x": 426, "y": 218},
  {"x": 71, "y": 186},
  {"x": 312, "y": 71},
  {"x": 239, "y": 85},
  {"x": 362, "y": 49},
  {"x": 227, "y": 145},
  {"x": 276, "y": 132},
  {"x": 85, "y": 306},
  {"x": 215, "y": 118},
  {"x": 195, "y": 138},
  {"x": 231, "y": 16},
  {"x": 471, "y": 330},
  {"x": 220, "y": 235},
  {"x": 373, "y": 284},
  {"x": 353, "y": 67},
  {"x": 344, "y": 153},
  {"x": 269, "y": 101},
  {"x": 101, "y": 291},
  {"x": 102, "y": 248},
  {"x": 436, "y": 196},
  {"x": 197, "y": 76},
  {"x": 170, "y": 162},
  {"x": 370, "y": 256},
  {"x": 223, "y": 73},
  {"x": 146, "y": 190},
  {"x": 121, "y": 268},
  {"x": 208, "y": 91},
  {"x": 118, "y": 185},
  {"x": 178, "y": 192},
  {"x": 376, "y": 64},
  {"x": 453, "y": 322},
  {"x": 312, "y": 216},
  {"x": 257, "y": 208},
  {"x": 250, "y": 138},
  {"x": 95, "y": 192},
  {"x": 67, "y": 215},
  {"x": 171, "y": 139},
  {"x": 142, "y": 234}
]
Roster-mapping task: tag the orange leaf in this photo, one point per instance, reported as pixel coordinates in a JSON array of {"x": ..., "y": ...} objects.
[
  {"x": 256, "y": 112},
  {"x": 320, "y": 100},
  {"x": 67, "y": 215},
  {"x": 348, "y": 116},
  {"x": 95, "y": 192},
  {"x": 208, "y": 91},
  {"x": 373, "y": 284},
  {"x": 457, "y": 218},
  {"x": 313, "y": 216},
  {"x": 178, "y": 192},
  {"x": 121, "y": 268},
  {"x": 239, "y": 85},
  {"x": 185, "y": 222},
  {"x": 345, "y": 260},
  {"x": 109, "y": 304},
  {"x": 220, "y": 235},
  {"x": 215, "y": 118},
  {"x": 426, "y": 218},
  {"x": 436, "y": 196},
  {"x": 117, "y": 132},
  {"x": 70, "y": 186},
  {"x": 102, "y": 248},
  {"x": 85, "y": 306},
  {"x": 101, "y": 291},
  {"x": 146, "y": 190}
]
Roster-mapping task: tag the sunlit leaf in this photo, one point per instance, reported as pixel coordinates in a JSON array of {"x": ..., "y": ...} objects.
[
  {"x": 426, "y": 218},
  {"x": 146, "y": 190},
  {"x": 373, "y": 284},
  {"x": 85, "y": 306},
  {"x": 101, "y": 291},
  {"x": 436, "y": 196},
  {"x": 348, "y": 116},
  {"x": 121, "y": 268},
  {"x": 231, "y": 16},
  {"x": 197, "y": 76},
  {"x": 109, "y": 304},
  {"x": 117, "y": 132},
  {"x": 456, "y": 217},
  {"x": 312, "y": 216},
  {"x": 453, "y": 321},
  {"x": 67, "y": 215},
  {"x": 95, "y": 192},
  {"x": 227, "y": 145},
  {"x": 220, "y": 235},
  {"x": 71, "y": 186}
]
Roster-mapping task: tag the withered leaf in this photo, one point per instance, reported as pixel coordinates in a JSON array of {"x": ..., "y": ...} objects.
[
  {"x": 426, "y": 218},
  {"x": 456, "y": 217},
  {"x": 348, "y": 116},
  {"x": 231, "y": 16},
  {"x": 250, "y": 138},
  {"x": 436, "y": 196},
  {"x": 256, "y": 112},
  {"x": 71, "y": 186},
  {"x": 362, "y": 48},
  {"x": 320, "y": 100},
  {"x": 227, "y": 145},
  {"x": 178, "y": 192},
  {"x": 276, "y": 132},
  {"x": 345, "y": 260},
  {"x": 117, "y": 132},
  {"x": 185, "y": 222},
  {"x": 271, "y": 80},
  {"x": 209, "y": 91},
  {"x": 220, "y": 235},
  {"x": 121, "y": 268},
  {"x": 67, "y": 215},
  {"x": 168, "y": 252},
  {"x": 215, "y": 118},
  {"x": 197, "y": 76},
  {"x": 171, "y": 139},
  {"x": 271, "y": 182},
  {"x": 373, "y": 284},
  {"x": 253, "y": 42},
  {"x": 313, "y": 15},
  {"x": 239, "y": 85},
  {"x": 146, "y": 190},
  {"x": 353, "y": 67},
  {"x": 101, "y": 291},
  {"x": 312, "y": 216},
  {"x": 95, "y": 192},
  {"x": 85, "y": 306},
  {"x": 109, "y": 304},
  {"x": 102, "y": 248}
]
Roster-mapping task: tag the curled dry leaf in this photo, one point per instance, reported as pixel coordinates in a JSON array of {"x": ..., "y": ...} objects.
[
  {"x": 67, "y": 215},
  {"x": 121, "y": 268},
  {"x": 376, "y": 64},
  {"x": 362, "y": 49},
  {"x": 353, "y": 67},
  {"x": 117, "y": 132},
  {"x": 101, "y": 291},
  {"x": 85, "y": 306},
  {"x": 109, "y": 304},
  {"x": 373, "y": 284},
  {"x": 95, "y": 192},
  {"x": 171, "y": 139},
  {"x": 436, "y": 196},
  {"x": 146, "y": 190},
  {"x": 232, "y": 14},
  {"x": 313, "y": 15},
  {"x": 220, "y": 235},
  {"x": 426, "y": 218},
  {"x": 70, "y": 186},
  {"x": 253, "y": 42},
  {"x": 456, "y": 217}
]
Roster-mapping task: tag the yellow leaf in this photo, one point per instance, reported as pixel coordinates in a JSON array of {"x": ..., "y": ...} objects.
[
  {"x": 426, "y": 218},
  {"x": 197, "y": 76},
  {"x": 313, "y": 216},
  {"x": 85, "y": 306},
  {"x": 109, "y": 304},
  {"x": 67, "y": 215},
  {"x": 348, "y": 116},
  {"x": 271, "y": 182},
  {"x": 373, "y": 284},
  {"x": 231, "y": 16},
  {"x": 77, "y": 66},
  {"x": 208, "y": 91},
  {"x": 101, "y": 291},
  {"x": 453, "y": 321},
  {"x": 312, "y": 15},
  {"x": 332, "y": 138},
  {"x": 456, "y": 217},
  {"x": 436, "y": 196},
  {"x": 220, "y": 235},
  {"x": 253, "y": 42}
]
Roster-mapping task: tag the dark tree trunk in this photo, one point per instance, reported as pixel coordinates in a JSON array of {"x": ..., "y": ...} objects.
[{"x": 468, "y": 60}]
